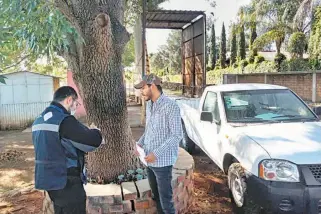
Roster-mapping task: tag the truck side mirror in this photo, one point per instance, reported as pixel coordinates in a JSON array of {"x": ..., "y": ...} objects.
[
  {"x": 317, "y": 110},
  {"x": 207, "y": 116}
]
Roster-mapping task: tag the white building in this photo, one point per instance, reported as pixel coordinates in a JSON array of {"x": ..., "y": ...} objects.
[{"x": 24, "y": 96}]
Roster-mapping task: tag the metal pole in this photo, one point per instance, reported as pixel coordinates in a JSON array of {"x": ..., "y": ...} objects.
[
  {"x": 205, "y": 53},
  {"x": 183, "y": 61},
  {"x": 144, "y": 38}
]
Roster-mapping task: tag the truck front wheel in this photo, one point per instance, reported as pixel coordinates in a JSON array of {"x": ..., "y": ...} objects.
[{"x": 238, "y": 193}]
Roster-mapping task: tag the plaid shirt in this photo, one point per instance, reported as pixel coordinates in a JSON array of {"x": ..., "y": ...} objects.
[{"x": 163, "y": 131}]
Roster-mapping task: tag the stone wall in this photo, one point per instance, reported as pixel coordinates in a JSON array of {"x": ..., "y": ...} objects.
[
  {"x": 172, "y": 86},
  {"x": 136, "y": 197}
]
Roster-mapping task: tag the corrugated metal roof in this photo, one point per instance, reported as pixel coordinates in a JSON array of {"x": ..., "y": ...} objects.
[{"x": 170, "y": 19}]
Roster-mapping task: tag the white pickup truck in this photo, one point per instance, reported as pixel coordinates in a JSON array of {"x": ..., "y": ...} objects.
[{"x": 265, "y": 138}]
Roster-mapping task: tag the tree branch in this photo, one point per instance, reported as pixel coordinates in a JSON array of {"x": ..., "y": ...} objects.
[
  {"x": 15, "y": 64},
  {"x": 67, "y": 11}
]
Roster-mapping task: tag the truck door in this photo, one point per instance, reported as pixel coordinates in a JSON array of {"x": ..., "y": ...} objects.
[{"x": 209, "y": 131}]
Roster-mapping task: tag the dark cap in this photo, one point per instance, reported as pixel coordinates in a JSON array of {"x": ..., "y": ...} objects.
[{"x": 148, "y": 80}]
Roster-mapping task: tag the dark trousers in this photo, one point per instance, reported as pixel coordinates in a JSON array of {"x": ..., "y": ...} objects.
[
  {"x": 71, "y": 199},
  {"x": 160, "y": 181}
]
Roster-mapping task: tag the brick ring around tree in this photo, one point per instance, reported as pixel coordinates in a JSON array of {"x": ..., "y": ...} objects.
[{"x": 135, "y": 197}]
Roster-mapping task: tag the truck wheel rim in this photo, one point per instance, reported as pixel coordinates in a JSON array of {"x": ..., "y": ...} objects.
[{"x": 237, "y": 190}]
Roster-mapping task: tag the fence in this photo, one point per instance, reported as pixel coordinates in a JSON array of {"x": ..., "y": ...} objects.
[
  {"x": 306, "y": 84},
  {"x": 19, "y": 116}
]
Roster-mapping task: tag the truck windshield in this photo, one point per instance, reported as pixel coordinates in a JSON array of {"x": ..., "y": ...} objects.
[{"x": 264, "y": 106}]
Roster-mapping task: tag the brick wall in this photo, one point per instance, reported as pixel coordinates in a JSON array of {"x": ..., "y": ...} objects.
[
  {"x": 135, "y": 197},
  {"x": 301, "y": 83}
]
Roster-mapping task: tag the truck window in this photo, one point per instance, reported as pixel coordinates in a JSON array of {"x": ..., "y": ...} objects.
[
  {"x": 211, "y": 105},
  {"x": 264, "y": 105}
]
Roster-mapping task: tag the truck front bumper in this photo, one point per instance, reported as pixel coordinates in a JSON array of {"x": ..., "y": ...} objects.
[{"x": 284, "y": 197}]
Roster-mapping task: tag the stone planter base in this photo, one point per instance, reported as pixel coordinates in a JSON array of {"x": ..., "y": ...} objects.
[{"x": 135, "y": 197}]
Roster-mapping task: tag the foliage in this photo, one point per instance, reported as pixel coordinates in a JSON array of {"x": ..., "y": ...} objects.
[
  {"x": 315, "y": 36},
  {"x": 277, "y": 17},
  {"x": 300, "y": 65},
  {"x": 304, "y": 15},
  {"x": 132, "y": 175},
  {"x": 297, "y": 43},
  {"x": 279, "y": 58},
  {"x": 276, "y": 35},
  {"x": 259, "y": 59},
  {"x": 169, "y": 56},
  {"x": 242, "y": 48},
  {"x": 3, "y": 79},
  {"x": 233, "y": 47},
  {"x": 213, "y": 48},
  {"x": 295, "y": 65},
  {"x": 129, "y": 53},
  {"x": 264, "y": 67},
  {"x": 251, "y": 58},
  {"x": 243, "y": 63},
  {"x": 223, "y": 48},
  {"x": 177, "y": 78}
]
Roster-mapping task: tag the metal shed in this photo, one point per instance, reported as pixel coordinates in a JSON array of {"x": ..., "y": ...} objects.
[
  {"x": 193, "y": 27},
  {"x": 24, "y": 96}
]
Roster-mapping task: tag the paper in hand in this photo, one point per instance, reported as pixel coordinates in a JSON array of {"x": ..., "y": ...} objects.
[{"x": 141, "y": 154}]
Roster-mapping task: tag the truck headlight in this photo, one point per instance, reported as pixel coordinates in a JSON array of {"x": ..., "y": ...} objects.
[{"x": 279, "y": 170}]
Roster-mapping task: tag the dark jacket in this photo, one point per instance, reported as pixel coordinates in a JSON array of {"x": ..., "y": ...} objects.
[{"x": 60, "y": 142}]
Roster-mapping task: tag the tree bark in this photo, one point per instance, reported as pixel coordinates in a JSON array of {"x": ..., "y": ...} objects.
[{"x": 96, "y": 64}]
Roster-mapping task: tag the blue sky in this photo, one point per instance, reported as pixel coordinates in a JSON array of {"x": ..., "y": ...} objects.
[{"x": 225, "y": 11}]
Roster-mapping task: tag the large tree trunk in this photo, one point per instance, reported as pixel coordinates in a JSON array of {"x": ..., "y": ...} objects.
[{"x": 96, "y": 64}]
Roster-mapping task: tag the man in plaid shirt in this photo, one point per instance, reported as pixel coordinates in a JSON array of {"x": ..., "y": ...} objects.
[{"x": 163, "y": 133}]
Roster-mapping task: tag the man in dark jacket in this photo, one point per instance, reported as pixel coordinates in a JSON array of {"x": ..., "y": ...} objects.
[{"x": 60, "y": 142}]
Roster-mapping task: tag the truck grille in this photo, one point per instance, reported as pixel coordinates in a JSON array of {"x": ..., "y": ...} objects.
[
  {"x": 316, "y": 171},
  {"x": 319, "y": 207}
]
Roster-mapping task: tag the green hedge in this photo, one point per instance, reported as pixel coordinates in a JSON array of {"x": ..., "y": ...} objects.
[{"x": 216, "y": 76}]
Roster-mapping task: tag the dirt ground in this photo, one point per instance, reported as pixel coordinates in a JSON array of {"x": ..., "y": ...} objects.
[{"x": 16, "y": 172}]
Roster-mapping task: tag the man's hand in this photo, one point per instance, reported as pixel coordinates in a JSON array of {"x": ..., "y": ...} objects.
[
  {"x": 150, "y": 158},
  {"x": 135, "y": 150},
  {"x": 93, "y": 126}
]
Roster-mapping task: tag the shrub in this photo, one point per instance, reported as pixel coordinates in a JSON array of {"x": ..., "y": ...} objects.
[
  {"x": 251, "y": 58},
  {"x": 264, "y": 67},
  {"x": 295, "y": 65},
  {"x": 297, "y": 43},
  {"x": 259, "y": 59},
  {"x": 279, "y": 58},
  {"x": 243, "y": 63}
]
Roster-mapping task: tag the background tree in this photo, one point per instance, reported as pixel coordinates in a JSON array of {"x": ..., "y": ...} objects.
[
  {"x": 213, "y": 48},
  {"x": 91, "y": 37},
  {"x": 297, "y": 44},
  {"x": 277, "y": 18},
  {"x": 233, "y": 46},
  {"x": 242, "y": 48},
  {"x": 315, "y": 35},
  {"x": 223, "y": 48},
  {"x": 168, "y": 55}
]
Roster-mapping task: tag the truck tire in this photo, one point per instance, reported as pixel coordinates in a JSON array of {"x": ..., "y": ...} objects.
[
  {"x": 241, "y": 202},
  {"x": 189, "y": 145}
]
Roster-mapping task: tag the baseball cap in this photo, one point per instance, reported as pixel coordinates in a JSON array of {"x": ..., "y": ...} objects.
[{"x": 148, "y": 80}]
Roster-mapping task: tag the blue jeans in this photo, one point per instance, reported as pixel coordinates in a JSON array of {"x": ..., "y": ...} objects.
[{"x": 160, "y": 181}]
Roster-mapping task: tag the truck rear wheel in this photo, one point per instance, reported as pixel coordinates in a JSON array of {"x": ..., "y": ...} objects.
[
  {"x": 189, "y": 145},
  {"x": 238, "y": 193}
]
